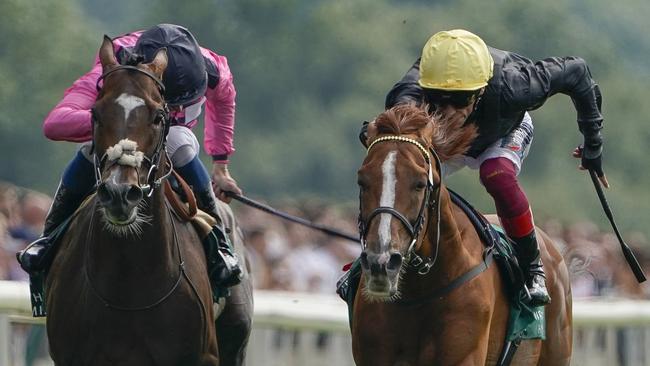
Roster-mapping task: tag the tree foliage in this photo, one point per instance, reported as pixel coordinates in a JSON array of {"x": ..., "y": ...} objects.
[{"x": 309, "y": 72}]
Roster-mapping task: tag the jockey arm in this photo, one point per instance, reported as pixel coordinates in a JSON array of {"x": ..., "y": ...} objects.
[
  {"x": 220, "y": 114},
  {"x": 70, "y": 120},
  {"x": 219, "y": 128},
  {"x": 534, "y": 83}
]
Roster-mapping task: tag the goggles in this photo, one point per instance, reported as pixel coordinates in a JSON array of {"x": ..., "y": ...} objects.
[
  {"x": 188, "y": 113},
  {"x": 456, "y": 99}
]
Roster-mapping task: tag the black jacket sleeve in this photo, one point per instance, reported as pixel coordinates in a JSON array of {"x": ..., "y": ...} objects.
[
  {"x": 528, "y": 85},
  {"x": 406, "y": 90}
]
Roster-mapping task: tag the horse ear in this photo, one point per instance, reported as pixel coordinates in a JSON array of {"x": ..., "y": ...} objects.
[
  {"x": 159, "y": 63},
  {"x": 107, "y": 54},
  {"x": 429, "y": 131},
  {"x": 368, "y": 132}
]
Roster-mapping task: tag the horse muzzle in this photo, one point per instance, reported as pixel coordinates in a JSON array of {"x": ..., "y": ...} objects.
[
  {"x": 120, "y": 201},
  {"x": 382, "y": 272}
]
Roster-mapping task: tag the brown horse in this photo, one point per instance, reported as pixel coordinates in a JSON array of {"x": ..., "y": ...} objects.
[
  {"x": 406, "y": 214},
  {"x": 130, "y": 286}
]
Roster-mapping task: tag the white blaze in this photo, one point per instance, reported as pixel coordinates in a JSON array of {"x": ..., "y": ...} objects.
[
  {"x": 129, "y": 102},
  {"x": 387, "y": 197}
]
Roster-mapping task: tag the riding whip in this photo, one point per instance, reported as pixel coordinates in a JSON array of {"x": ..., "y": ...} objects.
[
  {"x": 298, "y": 220},
  {"x": 627, "y": 252}
]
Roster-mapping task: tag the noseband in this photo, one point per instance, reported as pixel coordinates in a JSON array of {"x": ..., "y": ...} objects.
[
  {"x": 413, "y": 259},
  {"x": 151, "y": 181}
]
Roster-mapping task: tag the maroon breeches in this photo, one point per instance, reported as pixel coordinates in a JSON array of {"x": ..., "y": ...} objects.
[{"x": 500, "y": 180}]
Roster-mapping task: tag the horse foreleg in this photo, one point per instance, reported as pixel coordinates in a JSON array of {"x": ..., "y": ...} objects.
[{"x": 234, "y": 325}]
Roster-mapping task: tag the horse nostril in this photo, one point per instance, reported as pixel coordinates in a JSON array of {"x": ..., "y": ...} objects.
[
  {"x": 134, "y": 194},
  {"x": 103, "y": 193},
  {"x": 364, "y": 261},
  {"x": 395, "y": 261}
]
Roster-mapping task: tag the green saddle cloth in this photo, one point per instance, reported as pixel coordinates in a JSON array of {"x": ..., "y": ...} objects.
[{"x": 524, "y": 322}]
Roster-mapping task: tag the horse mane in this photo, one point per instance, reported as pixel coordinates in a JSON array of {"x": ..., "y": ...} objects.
[{"x": 449, "y": 138}]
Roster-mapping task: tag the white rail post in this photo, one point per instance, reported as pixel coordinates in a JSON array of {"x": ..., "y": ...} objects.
[{"x": 5, "y": 329}]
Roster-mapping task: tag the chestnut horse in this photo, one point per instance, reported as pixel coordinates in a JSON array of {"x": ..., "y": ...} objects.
[
  {"x": 415, "y": 242},
  {"x": 130, "y": 285}
]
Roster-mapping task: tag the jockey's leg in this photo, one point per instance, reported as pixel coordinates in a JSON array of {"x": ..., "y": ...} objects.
[
  {"x": 197, "y": 176},
  {"x": 499, "y": 176},
  {"x": 223, "y": 265},
  {"x": 77, "y": 182}
]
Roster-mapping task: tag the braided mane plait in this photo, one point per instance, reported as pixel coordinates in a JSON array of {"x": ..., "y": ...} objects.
[{"x": 449, "y": 138}]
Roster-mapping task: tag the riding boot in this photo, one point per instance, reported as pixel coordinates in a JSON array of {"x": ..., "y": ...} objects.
[
  {"x": 38, "y": 255},
  {"x": 531, "y": 264},
  {"x": 224, "y": 269}
]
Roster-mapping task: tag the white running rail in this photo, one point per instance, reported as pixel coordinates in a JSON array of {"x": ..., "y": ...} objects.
[{"x": 292, "y": 329}]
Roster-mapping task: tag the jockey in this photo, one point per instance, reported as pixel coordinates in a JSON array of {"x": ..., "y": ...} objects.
[
  {"x": 195, "y": 77},
  {"x": 460, "y": 77}
]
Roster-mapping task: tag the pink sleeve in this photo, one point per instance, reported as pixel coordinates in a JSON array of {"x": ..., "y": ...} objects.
[
  {"x": 70, "y": 118},
  {"x": 220, "y": 111}
]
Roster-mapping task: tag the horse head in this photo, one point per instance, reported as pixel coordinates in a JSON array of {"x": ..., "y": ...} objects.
[
  {"x": 130, "y": 123},
  {"x": 400, "y": 182}
]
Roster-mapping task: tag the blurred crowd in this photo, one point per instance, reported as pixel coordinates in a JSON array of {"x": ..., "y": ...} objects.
[{"x": 289, "y": 257}]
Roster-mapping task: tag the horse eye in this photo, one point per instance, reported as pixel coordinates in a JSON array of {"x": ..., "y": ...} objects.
[
  {"x": 420, "y": 185},
  {"x": 362, "y": 186},
  {"x": 158, "y": 118}
]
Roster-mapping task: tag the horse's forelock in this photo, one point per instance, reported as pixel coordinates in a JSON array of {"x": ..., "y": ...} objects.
[
  {"x": 403, "y": 119},
  {"x": 450, "y": 138}
]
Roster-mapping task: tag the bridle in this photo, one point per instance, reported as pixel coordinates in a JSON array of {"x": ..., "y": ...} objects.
[
  {"x": 151, "y": 184},
  {"x": 154, "y": 161},
  {"x": 421, "y": 264}
]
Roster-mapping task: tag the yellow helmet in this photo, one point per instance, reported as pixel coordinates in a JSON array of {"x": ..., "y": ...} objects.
[{"x": 455, "y": 60}]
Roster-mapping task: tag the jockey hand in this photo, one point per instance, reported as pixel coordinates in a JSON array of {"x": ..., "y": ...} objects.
[
  {"x": 222, "y": 182},
  {"x": 594, "y": 164}
]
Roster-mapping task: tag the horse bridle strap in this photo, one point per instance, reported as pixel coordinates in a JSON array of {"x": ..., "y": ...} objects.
[
  {"x": 488, "y": 256},
  {"x": 413, "y": 259},
  {"x": 151, "y": 182},
  {"x": 159, "y": 82}
]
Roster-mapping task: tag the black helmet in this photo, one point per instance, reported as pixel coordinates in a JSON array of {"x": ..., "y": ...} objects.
[{"x": 185, "y": 78}]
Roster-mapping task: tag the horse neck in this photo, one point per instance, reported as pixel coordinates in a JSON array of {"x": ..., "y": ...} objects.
[
  {"x": 453, "y": 258},
  {"x": 153, "y": 251}
]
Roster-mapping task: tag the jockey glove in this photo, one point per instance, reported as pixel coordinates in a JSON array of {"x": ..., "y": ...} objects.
[
  {"x": 592, "y": 149},
  {"x": 594, "y": 164}
]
